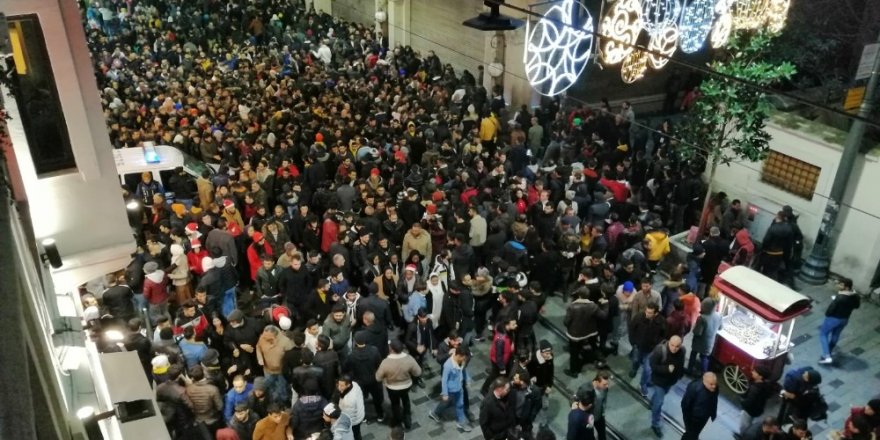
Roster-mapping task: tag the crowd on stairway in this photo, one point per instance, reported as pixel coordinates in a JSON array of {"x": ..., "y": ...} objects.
[{"x": 371, "y": 214}]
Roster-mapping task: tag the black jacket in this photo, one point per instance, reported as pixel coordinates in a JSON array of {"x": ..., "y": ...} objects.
[
  {"x": 380, "y": 308},
  {"x": 755, "y": 398},
  {"x": 645, "y": 334},
  {"x": 427, "y": 336},
  {"x": 698, "y": 403},
  {"x": 661, "y": 359},
  {"x": 497, "y": 416},
  {"x": 581, "y": 318},
  {"x": 303, "y": 374},
  {"x": 458, "y": 311},
  {"x": 295, "y": 286},
  {"x": 118, "y": 302},
  {"x": 842, "y": 305},
  {"x": 377, "y": 336},
  {"x": 778, "y": 239},
  {"x": 362, "y": 364}
]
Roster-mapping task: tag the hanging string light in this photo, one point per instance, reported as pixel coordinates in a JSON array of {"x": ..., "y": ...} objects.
[
  {"x": 664, "y": 42},
  {"x": 750, "y": 14},
  {"x": 634, "y": 66},
  {"x": 721, "y": 31},
  {"x": 622, "y": 23},
  {"x": 696, "y": 24},
  {"x": 658, "y": 15},
  {"x": 556, "y": 52},
  {"x": 777, "y": 14}
]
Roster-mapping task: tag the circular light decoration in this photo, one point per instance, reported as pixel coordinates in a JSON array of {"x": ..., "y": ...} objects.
[
  {"x": 750, "y": 14},
  {"x": 777, "y": 15},
  {"x": 696, "y": 23},
  {"x": 556, "y": 53},
  {"x": 721, "y": 31},
  {"x": 622, "y": 23},
  {"x": 663, "y": 42},
  {"x": 634, "y": 66},
  {"x": 658, "y": 15}
]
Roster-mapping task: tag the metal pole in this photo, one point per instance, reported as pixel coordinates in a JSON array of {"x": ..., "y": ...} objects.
[{"x": 816, "y": 267}]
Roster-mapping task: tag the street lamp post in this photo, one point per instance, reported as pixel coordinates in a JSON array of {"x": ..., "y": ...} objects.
[{"x": 816, "y": 267}]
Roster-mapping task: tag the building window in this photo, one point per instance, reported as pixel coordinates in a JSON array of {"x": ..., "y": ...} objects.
[
  {"x": 790, "y": 174},
  {"x": 33, "y": 86}
]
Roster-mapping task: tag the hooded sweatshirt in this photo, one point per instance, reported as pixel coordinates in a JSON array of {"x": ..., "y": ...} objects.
[
  {"x": 155, "y": 287},
  {"x": 180, "y": 274}
]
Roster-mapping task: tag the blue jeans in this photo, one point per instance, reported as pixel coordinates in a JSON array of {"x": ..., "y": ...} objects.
[
  {"x": 457, "y": 399},
  {"x": 829, "y": 333},
  {"x": 644, "y": 360},
  {"x": 657, "y": 398}
]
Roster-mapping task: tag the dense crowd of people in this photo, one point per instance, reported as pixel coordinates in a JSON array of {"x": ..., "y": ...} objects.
[{"x": 374, "y": 215}]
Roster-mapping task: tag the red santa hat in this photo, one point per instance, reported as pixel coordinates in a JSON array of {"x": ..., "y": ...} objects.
[
  {"x": 411, "y": 267},
  {"x": 195, "y": 242},
  {"x": 228, "y": 204}
]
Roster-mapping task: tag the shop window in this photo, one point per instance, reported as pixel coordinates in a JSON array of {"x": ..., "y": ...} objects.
[
  {"x": 790, "y": 174},
  {"x": 32, "y": 83}
]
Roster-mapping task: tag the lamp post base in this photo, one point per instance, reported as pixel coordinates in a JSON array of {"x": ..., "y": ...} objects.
[{"x": 814, "y": 270}]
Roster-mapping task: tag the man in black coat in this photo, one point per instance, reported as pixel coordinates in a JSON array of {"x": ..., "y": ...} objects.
[
  {"x": 118, "y": 299},
  {"x": 295, "y": 285},
  {"x": 361, "y": 365},
  {"x": 458, "y": 311},
  {"x": 699, "y": 404},
  {"x": 380, "y": 307},
  {"x": 241, "y": 337},
  {"x": 776, "y": 247},
  {"x": 716, "y": 248},
  {"x": 666, "y": 368},
  {"x": 137, "y": 342},
  {"x": 377, "y": 334},
  {"x": 497, "y": 413},
  {"x": 755, "y": 399}
]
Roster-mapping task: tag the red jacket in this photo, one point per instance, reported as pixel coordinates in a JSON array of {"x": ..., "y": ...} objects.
[
  {"x": 501, "y": 341},
  {"x": 156, "y": 293},
  {"x": 620, "y": 191},
  {"x": 195, "y": 261},
  {"x": 329, "y": 231},
  {"x": 254, "y": 258}
]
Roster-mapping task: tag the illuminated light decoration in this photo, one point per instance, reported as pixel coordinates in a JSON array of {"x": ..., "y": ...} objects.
[
  {"x": 663, "y": 42},
  {"x": 556, "y": 53},
  {"x": 657, "y": 15},
  {"x": 777, "y": 15},
  {"x": 634, "y": 66},
  {"x": 695, "y": 25},
  {"x": 622, "y": 23},
  {"x": 721, "y": 31},
  {"x": 750, "y": 14}
]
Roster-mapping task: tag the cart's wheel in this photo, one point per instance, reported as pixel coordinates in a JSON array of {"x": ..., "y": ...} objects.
[{"x": 735, "y": 379}]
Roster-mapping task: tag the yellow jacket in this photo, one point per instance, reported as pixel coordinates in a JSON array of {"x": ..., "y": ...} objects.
[
  {"x": 489, "y": 128},
  {"x": 659, "y": 244}
]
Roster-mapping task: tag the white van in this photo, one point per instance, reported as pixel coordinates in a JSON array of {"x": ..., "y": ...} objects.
[{"x": 159, "y": 160}]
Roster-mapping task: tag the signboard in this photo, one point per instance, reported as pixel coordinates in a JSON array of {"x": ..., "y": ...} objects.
[
  {"x": 866, "y": 64},
  {"x": 854, "y": 98}
]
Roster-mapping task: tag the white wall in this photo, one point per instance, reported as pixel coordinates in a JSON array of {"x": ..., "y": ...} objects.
[
  {"x": 81, "y": 209},
  {"x": 857, "y": 233}
]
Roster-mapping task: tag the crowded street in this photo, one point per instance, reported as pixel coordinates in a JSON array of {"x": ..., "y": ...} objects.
[{"x": 341, "y": 237}]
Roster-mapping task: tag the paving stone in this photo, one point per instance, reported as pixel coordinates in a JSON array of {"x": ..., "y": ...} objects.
[
  {"x": 857, "y": 351},
  {"x": 437, "y": 432},
  {"x": 833, "y": 406},
  {"x": 368, "y": 436},
  {"x": 421, "y": 400},
  {"x": 836, "y": 383}
]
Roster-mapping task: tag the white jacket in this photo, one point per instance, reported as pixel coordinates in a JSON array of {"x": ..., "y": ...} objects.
[{"x": 352, "y": 404}]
